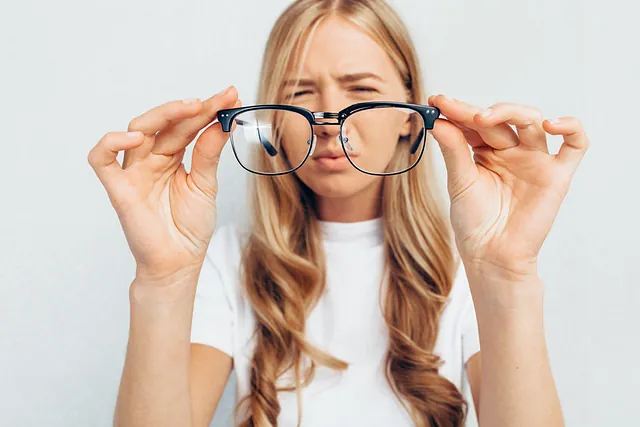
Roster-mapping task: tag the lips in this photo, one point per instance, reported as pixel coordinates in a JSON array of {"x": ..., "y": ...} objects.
[
  {"x": 333, "y": 163},
  {"x": 328, "y": 155},
  {"x": 333, "y": 156}
]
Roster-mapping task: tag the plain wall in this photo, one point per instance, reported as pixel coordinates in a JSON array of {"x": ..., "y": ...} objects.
[{"x": 73, "y": 70}]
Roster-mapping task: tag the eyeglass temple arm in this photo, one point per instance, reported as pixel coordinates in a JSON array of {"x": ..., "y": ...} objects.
[
  {"x": 270, "y": 149},
  {"x": 417, "y": 142}
]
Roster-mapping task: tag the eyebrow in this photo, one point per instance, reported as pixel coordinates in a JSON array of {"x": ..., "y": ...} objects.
[
  {"x": 349, "y": 78},
  {"x": 345, "y": 78}
]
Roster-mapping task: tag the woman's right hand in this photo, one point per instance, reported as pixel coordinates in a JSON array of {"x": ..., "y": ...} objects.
[{"x": 168, "y": 215}]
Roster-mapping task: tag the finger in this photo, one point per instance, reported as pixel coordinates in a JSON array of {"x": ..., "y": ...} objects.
[
  {"x": 181, "y": 133},
  {"x": 206, "y": 157},
  {"x": 103, "y": 157},
  {"x": 473, "y": 138},
  {"x": 161, "y": 116},
  {"x": 499, "y": 137},
  {"x": 461, "y": 170},
  {"x": 575, "y": 142},
  {"x": 527, "y": 120},
  {"x": 155, "y": 120}
]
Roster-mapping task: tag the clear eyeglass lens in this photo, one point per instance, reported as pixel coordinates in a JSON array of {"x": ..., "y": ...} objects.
[
  {"x": 271, "y": 141},
  {"x": 384, "y": 140}
]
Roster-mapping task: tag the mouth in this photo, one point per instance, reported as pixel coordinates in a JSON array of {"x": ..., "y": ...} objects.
[{"x": 333, "y": 163}]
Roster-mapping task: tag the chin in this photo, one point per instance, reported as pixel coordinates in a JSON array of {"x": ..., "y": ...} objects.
[{"x": 337, "y": 185}]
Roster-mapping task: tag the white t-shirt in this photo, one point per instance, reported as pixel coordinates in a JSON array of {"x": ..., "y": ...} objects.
[{"x": 347, "y": 323}]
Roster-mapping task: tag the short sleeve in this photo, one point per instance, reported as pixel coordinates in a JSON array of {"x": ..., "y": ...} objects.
[
  {"x": 212, "y": 322},
  {"x": 470, "y": 335}
]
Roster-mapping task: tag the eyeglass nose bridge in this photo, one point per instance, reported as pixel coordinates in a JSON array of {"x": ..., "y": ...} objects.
[{"x": 326, "y": 118}]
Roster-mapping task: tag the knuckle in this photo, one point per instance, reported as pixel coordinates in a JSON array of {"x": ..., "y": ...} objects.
[
  {"x": 92, "y": 157},
  {"x": 183, "y": 108},
  {"x": 578, "y": 123},
  {"x": 95, "y": 154},
  {"x": 211, "y": 156},
  {"x": 134, "y": 124},
  {"x": 533, "y": 115},
  {"x": 536, "y": 115},
  {"x": 169, "y": 109},
  {"x": 500, "y": 105},
  {"x": 107, "y": 139}
]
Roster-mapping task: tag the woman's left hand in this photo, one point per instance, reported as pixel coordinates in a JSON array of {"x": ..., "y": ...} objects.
[{"x": 505, "y": 198}]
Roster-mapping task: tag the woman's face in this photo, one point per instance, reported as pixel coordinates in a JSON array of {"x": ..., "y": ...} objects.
[{"x": 344, "y": 66}]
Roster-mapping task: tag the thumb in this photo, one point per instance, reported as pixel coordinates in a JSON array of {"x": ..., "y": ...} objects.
[
  {"x": 206, "y": 156},
  {"x": 461, "y": 169},
  {"x": 205, "y": 159}
]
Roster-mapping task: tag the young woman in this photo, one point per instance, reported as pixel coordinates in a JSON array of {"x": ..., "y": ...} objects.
[{"x": 344, "y": 301}]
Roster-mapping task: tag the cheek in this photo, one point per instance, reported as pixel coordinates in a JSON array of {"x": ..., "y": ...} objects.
[
  {"x": 374, "y": 138},
  {"x": 296, "y": 138}
]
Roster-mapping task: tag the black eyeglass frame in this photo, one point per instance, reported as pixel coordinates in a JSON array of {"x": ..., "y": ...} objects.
[{"x": 429, "y": 115}]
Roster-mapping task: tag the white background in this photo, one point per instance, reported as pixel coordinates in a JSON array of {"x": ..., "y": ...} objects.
[{"x": 73, "y": 70}]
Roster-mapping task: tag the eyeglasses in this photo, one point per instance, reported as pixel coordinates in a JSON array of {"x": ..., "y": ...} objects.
[{"x": 377, "y": 138}]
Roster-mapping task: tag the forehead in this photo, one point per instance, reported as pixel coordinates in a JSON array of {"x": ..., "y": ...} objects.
[{"x": 339, "y": 47}]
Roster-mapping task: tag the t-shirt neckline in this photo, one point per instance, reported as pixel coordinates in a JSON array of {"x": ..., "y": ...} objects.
[{"x": 370, "y": 230}]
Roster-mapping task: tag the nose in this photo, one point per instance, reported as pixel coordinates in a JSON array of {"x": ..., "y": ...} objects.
[
  {"x": 327, "y": 124},
  {"x": 331, "y": 130},
  {"x": 327, "y": 128}
]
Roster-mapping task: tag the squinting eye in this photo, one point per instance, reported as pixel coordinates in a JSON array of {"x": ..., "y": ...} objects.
[
  {"x": 303, "y": 92},
  {"x": 364, "y": 89}
]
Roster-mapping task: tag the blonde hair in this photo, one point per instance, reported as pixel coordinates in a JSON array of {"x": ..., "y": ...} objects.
[{"x": 283, "y": 261}]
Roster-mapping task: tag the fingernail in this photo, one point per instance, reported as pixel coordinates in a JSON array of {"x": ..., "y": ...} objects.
[
  {"x": 133, "y": 135},
  {"x": 190, "y": 101},
  {"x": 554, "y": 121},
  {"x": 227, "y": 90},
  {"x": 486, "y": 113}
]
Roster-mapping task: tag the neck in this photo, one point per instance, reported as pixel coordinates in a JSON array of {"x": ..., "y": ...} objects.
[{"x": 362, "y": 206}]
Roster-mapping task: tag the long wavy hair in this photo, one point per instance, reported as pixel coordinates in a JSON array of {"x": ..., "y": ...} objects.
[{"x": 283, "y": 268}]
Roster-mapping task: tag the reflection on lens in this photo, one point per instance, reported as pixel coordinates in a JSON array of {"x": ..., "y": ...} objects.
[
  {"x": 384, "y": 140},
  {"x": 271, "y": 141}
]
